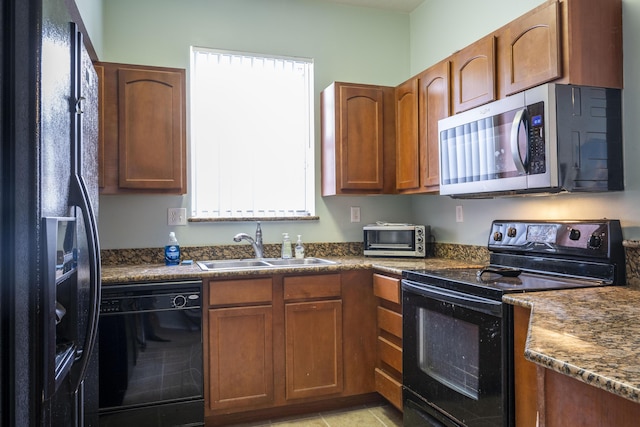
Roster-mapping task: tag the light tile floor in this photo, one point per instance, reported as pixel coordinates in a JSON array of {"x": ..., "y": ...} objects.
[{"x": 360, "y": 416}]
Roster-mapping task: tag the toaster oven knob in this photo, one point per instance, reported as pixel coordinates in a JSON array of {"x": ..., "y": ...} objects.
[
  {"x": 595, "y": 241},
  {"x": 497, "y": 236},
  {"x": 574, "y": 234},
  {"x": 419, "y": 239},
  {"x": 512, "y": 232}
]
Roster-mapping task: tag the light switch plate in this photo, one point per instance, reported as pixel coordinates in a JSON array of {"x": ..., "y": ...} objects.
[
  {"x": 355, "y": 213},
  {"x": 177, "y": 216}
]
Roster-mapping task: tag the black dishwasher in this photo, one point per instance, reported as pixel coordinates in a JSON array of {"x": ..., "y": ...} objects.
[{"x": 150, "y": 354}]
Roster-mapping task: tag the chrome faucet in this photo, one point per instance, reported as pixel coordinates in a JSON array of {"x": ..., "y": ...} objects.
[{"x": 256, "y": 243}]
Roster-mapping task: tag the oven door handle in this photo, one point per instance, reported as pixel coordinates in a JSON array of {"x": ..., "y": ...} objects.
[{"x": 472, "y": 302}]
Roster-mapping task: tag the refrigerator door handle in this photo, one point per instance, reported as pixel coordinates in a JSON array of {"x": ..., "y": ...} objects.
[{"x": 79, "y": 196}]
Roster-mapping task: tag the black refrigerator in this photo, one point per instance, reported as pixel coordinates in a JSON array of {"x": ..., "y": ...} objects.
[{"x": 50, "y": 263}]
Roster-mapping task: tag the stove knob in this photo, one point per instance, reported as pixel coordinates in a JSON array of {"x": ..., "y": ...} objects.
[
  {"x": 511, "y": 232},
  {"x": 595, "y": 241},
  {"x": 497, "y": 236},
  {"x": 179, "y": 301},
  {"x": 574, "y": 234}
]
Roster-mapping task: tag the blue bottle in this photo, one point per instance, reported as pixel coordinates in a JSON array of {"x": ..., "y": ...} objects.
[{"x": 172, "y": 251}]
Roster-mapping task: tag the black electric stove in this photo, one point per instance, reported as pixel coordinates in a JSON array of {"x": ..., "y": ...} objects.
[
  {"x": 457, "y": 359},
  {"x": 530, "y": 256}
]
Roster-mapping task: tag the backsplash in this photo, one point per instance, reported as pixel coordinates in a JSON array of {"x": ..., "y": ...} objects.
[{"x": 474, "y": 254}]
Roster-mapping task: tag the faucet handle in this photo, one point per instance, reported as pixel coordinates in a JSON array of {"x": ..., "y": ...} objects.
[{"x": 258, "y": 232}]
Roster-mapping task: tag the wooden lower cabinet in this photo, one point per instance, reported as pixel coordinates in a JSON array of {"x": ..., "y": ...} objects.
[
  {"x": 285, "y": 343},
  {"x": 388, "y": 370},
  {"x": 546, "y": 398},
  {"x": 313, "y": 348},
  {"x": 240, "y": 357}
]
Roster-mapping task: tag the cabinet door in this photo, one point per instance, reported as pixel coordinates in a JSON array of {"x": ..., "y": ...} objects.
[
  {"x": 358, "y": 134},
  {"x": 530, "y": 51},
  {"x": 151, "y": 129},
  {"x": 407, "y": 151},
  {"x": 240, "y": 357},
  {"x": 473, "y": 73},
  {"x": 314, "y": 365},
  {"x": 433, "y": 105},
  {"x": 361, "y": 138}
]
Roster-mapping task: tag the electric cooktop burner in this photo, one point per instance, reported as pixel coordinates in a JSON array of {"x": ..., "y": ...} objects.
[{"x": 528, "y": 256}]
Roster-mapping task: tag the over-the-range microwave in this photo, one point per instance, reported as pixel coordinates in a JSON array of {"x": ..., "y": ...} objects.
[
  {"x": 396, "y": 240},
  {"x": 547, "y": 139}
]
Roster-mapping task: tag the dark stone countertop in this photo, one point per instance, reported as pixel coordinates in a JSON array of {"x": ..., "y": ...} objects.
[{"x": 591, "y": 334}]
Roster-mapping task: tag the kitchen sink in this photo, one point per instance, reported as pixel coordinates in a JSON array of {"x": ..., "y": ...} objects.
[
  {"x": 256, "y": 264},
  {"x": 299, "y": 261}
]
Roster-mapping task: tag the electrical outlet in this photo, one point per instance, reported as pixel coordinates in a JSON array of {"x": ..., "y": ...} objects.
[
  {"x": 177, "y": 216},
  {"x": 459, "y": 214},
  {"x": 355, "y": 213}
]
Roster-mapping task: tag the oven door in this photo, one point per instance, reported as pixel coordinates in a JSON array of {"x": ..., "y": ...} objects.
[{"x": 453, "y": 356}]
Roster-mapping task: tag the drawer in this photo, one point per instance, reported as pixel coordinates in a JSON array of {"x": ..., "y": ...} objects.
[
  {"x": 390, "y": 321},
  {"x": 243, "y": 291},
  {"x": 389, "y": 387},
  {"x": 387, "y": 288},
  {"x": 316, "y": 286},
  {"x": 390, "y": 354}
]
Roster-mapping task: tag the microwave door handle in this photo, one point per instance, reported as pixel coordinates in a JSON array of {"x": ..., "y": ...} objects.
[{"x": 519, "y": 118}]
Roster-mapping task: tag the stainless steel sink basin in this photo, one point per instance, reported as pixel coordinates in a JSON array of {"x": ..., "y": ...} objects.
[
  {"x": 232, "y": 264},
  {"x": 299, "y": 261},
  {"x": 255, "y": 264}
]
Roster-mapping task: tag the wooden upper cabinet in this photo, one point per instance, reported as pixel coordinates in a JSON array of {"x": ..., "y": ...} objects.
[
  {"x": 357, "y": 139},
  {"x": 144, "y": 138},
  {"x": 529, "y": 49},
  {"x": 566, "y": 41},
  {"x": 407, "y": 150},
  {"x": 592, "y": 42},
  {"x": 474, "y": 74},
  {"x": 434, "y": 96},
  {"x": 420, "y": 103}
]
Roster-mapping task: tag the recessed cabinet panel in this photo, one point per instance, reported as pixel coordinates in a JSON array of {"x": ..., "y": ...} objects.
[
  {"x": 474, "y": 70},
  {"x": 240, "y": 357},
  {"x": 361, "y": 128},
  {"x": 434, "y": 90},
  {"x": 314, "y": 363},
  {"x": 149, "y": 104},
  {"x": 407, "y": 150}
]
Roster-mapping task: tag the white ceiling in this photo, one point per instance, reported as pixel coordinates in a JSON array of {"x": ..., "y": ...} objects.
[{"x": 397, "y": 5}]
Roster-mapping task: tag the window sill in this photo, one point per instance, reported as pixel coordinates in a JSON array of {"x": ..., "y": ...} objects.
[{"x": 254, "y": 219}]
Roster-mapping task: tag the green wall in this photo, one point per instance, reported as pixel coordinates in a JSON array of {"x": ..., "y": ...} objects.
[
  {"x": 347, "y": 44},
  {"x": 434, "y": 37}
]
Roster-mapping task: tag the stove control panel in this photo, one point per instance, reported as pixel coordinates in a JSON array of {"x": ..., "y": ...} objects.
[{"x": 581, "y": 238}]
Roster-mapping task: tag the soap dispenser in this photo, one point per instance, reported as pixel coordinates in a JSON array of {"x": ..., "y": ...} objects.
[
  {"x": 299, "y": 247},
  {"x": 286, "y": 245}
]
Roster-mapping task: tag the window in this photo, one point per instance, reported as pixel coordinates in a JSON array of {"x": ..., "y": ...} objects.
[{"x": 251, "y": 135}]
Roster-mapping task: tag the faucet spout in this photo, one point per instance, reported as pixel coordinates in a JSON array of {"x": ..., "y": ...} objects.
[{"x": 256, "y": 243}]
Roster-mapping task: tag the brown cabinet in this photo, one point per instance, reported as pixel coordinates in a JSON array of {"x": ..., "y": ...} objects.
[
  {"x": 313, "y": 330},
  {"x": 284, "y": 342},
  {"x": 388, "y": 371},
  {"x": 566, "y": 41},
  {"x": 240, "y": 344},
  {"x": 143, "y": 129},
  {"x": 473, "y": 74},
  {"x": 529, "y": 49},
  {"x": 420, "y": 103},
  {"x": 358, "y": 133},
  {"x": 547, "y": 398}
]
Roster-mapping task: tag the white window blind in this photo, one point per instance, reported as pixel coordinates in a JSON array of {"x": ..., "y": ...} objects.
[{"x": 251, "y": 135}]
